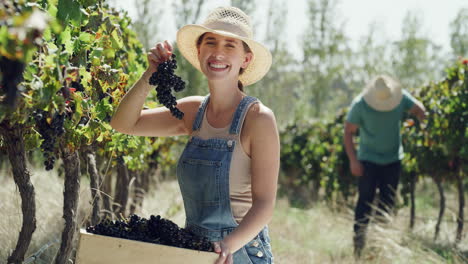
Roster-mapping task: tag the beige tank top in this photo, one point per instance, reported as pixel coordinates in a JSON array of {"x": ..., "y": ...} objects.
[{"x": 240, "y": 183}]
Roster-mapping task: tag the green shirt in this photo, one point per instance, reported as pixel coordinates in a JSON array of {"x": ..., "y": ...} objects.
[{"x": 379, "y": 132}]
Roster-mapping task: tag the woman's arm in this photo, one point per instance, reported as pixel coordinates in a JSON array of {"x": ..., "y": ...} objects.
[
  {"x": 156, "y": 122},
  {"x": 261, "y": 127},
  {"x": 129, "y": 118}
]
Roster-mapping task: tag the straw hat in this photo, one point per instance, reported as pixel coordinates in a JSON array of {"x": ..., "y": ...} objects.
[
  {"x": 229, "y": 22},
  {"x": 383, "y": 93}
]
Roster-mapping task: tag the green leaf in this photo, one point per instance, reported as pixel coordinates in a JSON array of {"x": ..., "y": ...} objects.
[
  {"x": 69, "y": 12},
  {"x": 109, "y": 53},
  {"x": 94, "y": 21},
  {"x": 106, "y": 126},
  {"x": 102, "y": 109},
  {"x": 52, "y": 9},
  {"x": 48, "y": 92},
  {"x": 86, "y": 37},
  {"x": 31, "y": 141},
  {"x": 78, "y": 102},
  {"x": 47, "y": 35},
  {"x": 50, "y": 60},
  {"x": 95, "y": 61},
  {"x": 100, "y": 137},
  {"x": 116, "y": 39},
  {"x": 30, "y": 71},
  {"x": 3, "y": 37},
  {"x": 97, "y": 52},
  {"x": 133, "y": 144},
  {"x": 55, "y": 26},
  {"x": 66, "y": 40}
]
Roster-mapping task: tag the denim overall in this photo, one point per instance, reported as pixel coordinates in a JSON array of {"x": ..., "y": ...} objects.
[{"x": 203, "y": 175}]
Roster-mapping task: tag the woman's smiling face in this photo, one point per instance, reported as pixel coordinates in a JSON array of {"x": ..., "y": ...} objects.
[{"x": 222, "y": 57}]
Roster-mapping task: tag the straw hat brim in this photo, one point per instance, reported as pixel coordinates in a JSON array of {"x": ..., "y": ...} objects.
[
  {"x": 187, "y": 38},
  {"x": 370, "y": 96}
]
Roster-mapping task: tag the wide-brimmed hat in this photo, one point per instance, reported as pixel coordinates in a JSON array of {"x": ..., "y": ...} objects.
[
  {"x": 383, "y": 93},
  {"x": 228, "y": 22}
]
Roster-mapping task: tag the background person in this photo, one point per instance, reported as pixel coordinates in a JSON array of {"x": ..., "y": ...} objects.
[{"x": 377, "y": 113}]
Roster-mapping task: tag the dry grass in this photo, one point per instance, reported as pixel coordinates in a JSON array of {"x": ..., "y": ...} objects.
[
  {"x": 317, "y": 235},
  {"x": 323, "y": 235},
  {"x": 49, "y": 205}
]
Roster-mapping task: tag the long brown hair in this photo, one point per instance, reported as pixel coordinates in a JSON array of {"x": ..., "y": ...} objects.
[{"x": 246, "y": 50}]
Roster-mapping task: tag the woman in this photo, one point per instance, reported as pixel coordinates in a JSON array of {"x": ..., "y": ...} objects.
[{"x": 229, "y": 169}]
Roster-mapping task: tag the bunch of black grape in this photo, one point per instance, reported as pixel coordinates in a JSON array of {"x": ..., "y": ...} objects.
[
  {"x": 49, "y": 133},
  {"x": 165, "y": 80},
  {"x": 77, "y": 85},
  {"x": 153, "y": 230}
]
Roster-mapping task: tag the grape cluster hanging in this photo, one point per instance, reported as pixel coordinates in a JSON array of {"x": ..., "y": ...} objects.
[{"x": 165, "y": 81}]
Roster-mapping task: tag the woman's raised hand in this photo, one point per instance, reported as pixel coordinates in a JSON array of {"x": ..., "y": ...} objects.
[{"x": 160, "y": 53}]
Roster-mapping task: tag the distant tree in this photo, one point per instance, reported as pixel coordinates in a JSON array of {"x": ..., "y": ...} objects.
[
  {"x": 459, "y": 33},
  {"x": 415, "y": 57},
  {"x": 147, "y": 19},
  {"x": 325, "y": 52},
  {"x": 279, "y": 88},
  {"x": 370, "y": 58},
  {"x": 189, "y": 12},
  {"x": 248, "y": 6}
]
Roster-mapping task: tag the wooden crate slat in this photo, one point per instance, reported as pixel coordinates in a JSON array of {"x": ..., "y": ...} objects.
[{"x": 97, "y": 249}]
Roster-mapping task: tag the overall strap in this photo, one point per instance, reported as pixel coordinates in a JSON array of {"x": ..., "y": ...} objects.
[
  {"x": 240, "y": 114},
  {"x": 201, "y": 111}
]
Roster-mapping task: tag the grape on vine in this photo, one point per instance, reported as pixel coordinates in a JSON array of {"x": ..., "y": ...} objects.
[{"x": 49, "y": 133}]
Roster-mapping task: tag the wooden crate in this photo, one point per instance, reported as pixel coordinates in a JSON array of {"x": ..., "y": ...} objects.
[{"x": 97, "y": 249}]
